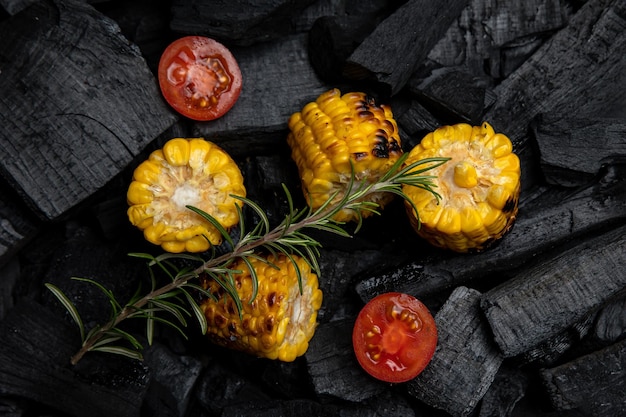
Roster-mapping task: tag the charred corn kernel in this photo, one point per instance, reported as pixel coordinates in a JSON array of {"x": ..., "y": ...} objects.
[
  {"x": 279, "y": 322},
  {"x": 335, "y": 130},
  {"x": 185, "y": 172},
  {"x": 479, "y": 187}
]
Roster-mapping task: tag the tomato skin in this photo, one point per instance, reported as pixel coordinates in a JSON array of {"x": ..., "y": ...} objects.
[
  {"x": 394, "y": 337},
  {"x": 199, "y": 77}
]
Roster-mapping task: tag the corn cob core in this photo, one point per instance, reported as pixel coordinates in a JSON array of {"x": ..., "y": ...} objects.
[
  {"x": 279, "y": 322},
  {"x": 334, "y": 131},
  {"x": 479, "y": 187},
  {"x": 185, "y": 172}
]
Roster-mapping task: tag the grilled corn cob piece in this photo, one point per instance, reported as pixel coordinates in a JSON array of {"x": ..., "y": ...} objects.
[
  {"x": 185, "y": 172},
  {"x": 279, "y": 322},
  {"x": 479, "y": 188},
  {"x": 335, "y": 130}
]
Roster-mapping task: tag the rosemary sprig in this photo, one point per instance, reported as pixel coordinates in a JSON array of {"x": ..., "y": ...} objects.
[{"x": 176, "y": 299}]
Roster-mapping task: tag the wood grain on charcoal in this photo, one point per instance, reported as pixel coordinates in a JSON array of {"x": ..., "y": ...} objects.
[
  {"x": 551, "y": 296},
  {"x": 401, "y": 42},
  {"x": 581, "y": 70},
  {"x": 34, "y": 364},
  {"x": 593, "y": 384},
  {"x": 538, "y": 229},
  {"x": 572, "y": 150},
  {"x": 77, "y": 103},
  {"x": 466, "y": 360}
]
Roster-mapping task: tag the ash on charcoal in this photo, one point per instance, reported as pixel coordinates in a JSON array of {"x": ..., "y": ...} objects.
[
  {"x": 466, "y": 360},
  {"x": 547, "y": 298},
  {"x": 172, "y": 381},
  {"x": 67, "y": 135},
  {"x": 593, "y": 384},
  {"x": 564, "y": 146},
  {"x": 539, "y": 228}
]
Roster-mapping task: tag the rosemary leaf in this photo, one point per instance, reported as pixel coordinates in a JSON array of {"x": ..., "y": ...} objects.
[{"x": 69, "y": 306}]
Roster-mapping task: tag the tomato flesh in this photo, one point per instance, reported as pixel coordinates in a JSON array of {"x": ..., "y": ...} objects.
[
  {"x": 199, "y": 77},
  {"x": 394, "y": 337}
]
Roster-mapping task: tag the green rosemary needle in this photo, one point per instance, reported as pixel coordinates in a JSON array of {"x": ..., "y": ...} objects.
[{"x": 176, "y": 298}]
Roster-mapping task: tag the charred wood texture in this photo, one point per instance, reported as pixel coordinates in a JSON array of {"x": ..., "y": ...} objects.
[
  {"x": 397, "y": 46},
  {"x": 576, "y": 72},
  {"x": 17, "y": 226},
  {"x": 489, "y": 36},
  {"x": 453, "y": 92},
  {"x": 466, "y": 360},
  {"x": 34, "y": 356},
  {"x": 68, "y": 127},
  {"x": 539, "y": 228},
  {"x": 257, "y": 123},
  {"x": 239, "y": 22},
  {"x": 546, "y": 299},
  {"x": 573, "y": 150},
  {"x": 593, "y": 384}
]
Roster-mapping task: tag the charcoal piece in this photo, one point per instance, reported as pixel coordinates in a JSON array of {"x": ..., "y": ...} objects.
[
  {"x": 610, "y": 324},
  {"x": 334, "y": 370},
  {"x": 237, "y": 22},
  {"x": 581, "y": 70},
  {"x": 452, "y": 91},
  {"x": 9, "y": 276},
  {"x": 572, "y": 150},
  {"x": 414, "y": 123},
  {"x": 70, "y": 123},
  {"x": 516, "y": 53},
  {"x": 298, "y": 407},
  {"x": 34, "y": 366},
  {"x": 15, "y": 6},
  {"x": 554, "y": 349},
  {"x": 332, "y": 39},
  {"x": 548, "y": 297},
  {"x": 508, "y": 387},
  {"x": 85, "y": 254},
  {"x": 593, "y": 384},
  {"x": 480, "y": 37},
  {"x": 17, "y": 225},
  {"x": 466, "y": 360},
  {"x": 219, "y": 388},
  {"x": 401, "y": 42},
  {"x": 539, "y": 228},
  {"x": 143, "y": 22},
  {"x": 278, "y": 81},
  {"x": 172, "y": 382}
]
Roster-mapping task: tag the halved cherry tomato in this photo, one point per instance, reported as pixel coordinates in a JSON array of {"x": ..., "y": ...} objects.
[
  {"x": 394, "y": 337},
  {"x": 199, "y": 77}
]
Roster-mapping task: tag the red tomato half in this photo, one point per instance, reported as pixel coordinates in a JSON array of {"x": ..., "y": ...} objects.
[
  {"x": 199, "y": 77},
  {"x": 394, "y": 337}
]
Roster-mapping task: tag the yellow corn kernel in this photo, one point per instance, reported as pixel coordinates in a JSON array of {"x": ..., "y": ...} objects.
[
  {"x": 479, "y": 188},
  {"x": 337, "y": 133},
  {"x": 279, "y": 322},
  {"x": 186, "y": 172}
]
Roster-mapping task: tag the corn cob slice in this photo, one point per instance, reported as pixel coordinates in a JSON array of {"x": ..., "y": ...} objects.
[
  {"x": 335, "y": 130},
  {"x": 279, "y": 322},
  {"x": 185, "y": 172},
  {"x": 479, "y": 188}
]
